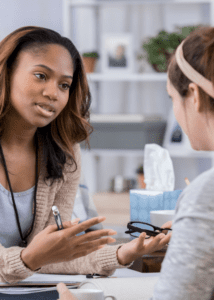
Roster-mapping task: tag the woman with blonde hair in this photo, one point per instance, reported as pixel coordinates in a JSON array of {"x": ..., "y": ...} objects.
[{"x": 44, "y": 115}]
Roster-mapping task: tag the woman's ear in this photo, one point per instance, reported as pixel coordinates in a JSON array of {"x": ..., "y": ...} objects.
[{"x": 194, "y": 95}]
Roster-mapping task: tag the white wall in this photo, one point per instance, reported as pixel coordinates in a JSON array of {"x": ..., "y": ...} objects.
[{"x": 18, "y": 13}]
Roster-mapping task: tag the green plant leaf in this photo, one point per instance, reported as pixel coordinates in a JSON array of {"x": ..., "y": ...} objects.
[
  {"x": 159, "y": 48},
  {"x": 93, "y": 54}
]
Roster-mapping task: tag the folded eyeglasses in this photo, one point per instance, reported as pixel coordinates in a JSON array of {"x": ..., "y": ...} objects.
[{"x": 136, "y": 228}]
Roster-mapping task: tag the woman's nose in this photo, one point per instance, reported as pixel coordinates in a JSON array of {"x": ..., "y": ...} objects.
[{"x": 51, "y": 91}]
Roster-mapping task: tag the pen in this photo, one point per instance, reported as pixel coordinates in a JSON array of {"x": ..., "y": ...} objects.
[
  {"x": 57, "y": 217},
  {"x": 95, "y": 275}
]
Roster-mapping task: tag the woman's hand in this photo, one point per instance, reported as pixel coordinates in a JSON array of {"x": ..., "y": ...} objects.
[
  {"x": 64, "y": 293},
  {"x": 141, "y": 246},
  {"x": 54, "y": 246}
]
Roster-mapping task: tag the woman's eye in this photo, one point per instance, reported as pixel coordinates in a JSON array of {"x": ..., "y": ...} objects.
[
  {"x": 65, "y": 86},
  {"x": 40, "y": 76}
]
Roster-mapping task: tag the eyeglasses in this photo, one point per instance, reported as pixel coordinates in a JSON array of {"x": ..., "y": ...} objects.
[{"x": 136, "y": 228}]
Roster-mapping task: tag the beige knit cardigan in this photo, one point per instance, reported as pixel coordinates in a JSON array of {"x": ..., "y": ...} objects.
[{"x": 62, "y": 194}]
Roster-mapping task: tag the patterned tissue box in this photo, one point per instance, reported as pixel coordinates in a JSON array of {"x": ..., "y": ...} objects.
[{"x": 143, "y": 201}]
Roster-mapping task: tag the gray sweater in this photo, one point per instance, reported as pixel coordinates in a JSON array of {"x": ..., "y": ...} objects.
[{"x": 188, "y": 268}]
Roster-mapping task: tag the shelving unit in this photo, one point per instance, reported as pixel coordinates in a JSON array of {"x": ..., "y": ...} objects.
[
  {"x": 118, "y": 99},
  {"x": 131, "y": 153},
  {"x": 160, "y": 77}
]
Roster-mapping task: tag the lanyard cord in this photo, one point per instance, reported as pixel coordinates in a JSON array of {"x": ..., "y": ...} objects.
[{"x": 24, "y": 242}]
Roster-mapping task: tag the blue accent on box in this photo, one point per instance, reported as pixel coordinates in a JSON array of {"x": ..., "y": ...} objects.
[{"x": 141, "y": 204}]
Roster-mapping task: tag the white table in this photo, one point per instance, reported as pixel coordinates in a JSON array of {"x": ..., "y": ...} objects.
[
  {"x": 121, "y": 273},
  {"x": 50, "y": 295},
  {"x": 127, "y": 285}
]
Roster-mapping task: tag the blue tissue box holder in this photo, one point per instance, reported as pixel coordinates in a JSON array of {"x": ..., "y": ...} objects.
[{"x": 143, "y": 201}]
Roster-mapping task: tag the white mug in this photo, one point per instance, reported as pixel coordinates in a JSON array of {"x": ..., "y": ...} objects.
[
  {"x": 159, "y": 217},
  {"x": 90, "y": 294}
]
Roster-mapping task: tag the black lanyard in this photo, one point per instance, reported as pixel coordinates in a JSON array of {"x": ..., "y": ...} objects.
[{"x": 23, "y": 242}]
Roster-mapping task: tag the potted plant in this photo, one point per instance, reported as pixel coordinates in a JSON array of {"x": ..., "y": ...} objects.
[
  {"x": 160, "y": 48},
  {"x": 89, "y": 60}
]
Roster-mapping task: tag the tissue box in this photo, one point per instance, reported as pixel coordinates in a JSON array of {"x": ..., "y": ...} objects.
[{"x": 143, "y": 201}]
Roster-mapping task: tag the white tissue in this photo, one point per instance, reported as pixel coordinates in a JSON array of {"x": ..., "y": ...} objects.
[{"x": 158, "y": 169}]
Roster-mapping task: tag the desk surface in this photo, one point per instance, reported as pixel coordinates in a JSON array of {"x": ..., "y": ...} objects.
[
  {"x": 53, "y": 295},
  {"x": 121, "y": 273}
]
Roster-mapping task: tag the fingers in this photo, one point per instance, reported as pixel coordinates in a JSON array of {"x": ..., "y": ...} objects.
[
  {"x": 83, "y": 226},
  {"x": 64, "y": 293},
  {"x": 87, "y": 224},
  {"x": 90, "y": 236},
  {"x": 68, "y": 224},
  {"x": 165, "y": 240},
  {"x": 95, "y": 243},
  {"x": 87, "y": 248},
  {"x": 51, "y": 228},
  {"x": 167, "y": 225},
  {"x": 142, "y": 237},
  {"x": 90, "y": 247},
  {"x": 75, "y": 221},
  {"x": 161, "y": 240},
  {"x": 76, "y": 228}
]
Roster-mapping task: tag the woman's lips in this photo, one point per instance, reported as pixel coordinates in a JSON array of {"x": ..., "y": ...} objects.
[{"x": 45, "y": 109}]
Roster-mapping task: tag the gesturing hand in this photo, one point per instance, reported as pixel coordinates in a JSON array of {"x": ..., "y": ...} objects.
[
  {"x": 54, "y": 246},
  {"x": 141, "y": 246}
]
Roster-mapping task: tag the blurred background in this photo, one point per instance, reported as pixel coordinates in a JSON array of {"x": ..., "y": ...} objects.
[{"x": 130, "y": 43}]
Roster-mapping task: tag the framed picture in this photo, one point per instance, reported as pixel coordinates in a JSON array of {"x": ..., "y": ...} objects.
[
  {"x": 117, "y": 53},
  {"x": 175, "y": 138}
]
